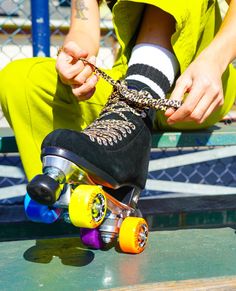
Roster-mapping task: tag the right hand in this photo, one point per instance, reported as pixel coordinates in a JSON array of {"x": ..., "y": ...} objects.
[{"x": 75, "y": 73}]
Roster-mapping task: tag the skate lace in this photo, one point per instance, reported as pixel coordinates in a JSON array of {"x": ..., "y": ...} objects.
[{"x": 123, "y": 99}]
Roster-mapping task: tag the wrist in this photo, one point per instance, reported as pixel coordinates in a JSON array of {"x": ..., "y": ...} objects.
[
  {"x": 219, "y": 56},
  {"x": 84, "y": 41}
]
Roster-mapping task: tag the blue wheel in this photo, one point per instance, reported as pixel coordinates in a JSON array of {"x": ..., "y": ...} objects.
[{"x": 40, "y": 213}]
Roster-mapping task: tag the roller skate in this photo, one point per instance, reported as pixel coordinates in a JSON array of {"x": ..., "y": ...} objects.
[{"x": 88, "y": 175}]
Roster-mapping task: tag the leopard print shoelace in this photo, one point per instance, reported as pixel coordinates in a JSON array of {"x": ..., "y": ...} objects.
[{"x": 110, "y": 131}]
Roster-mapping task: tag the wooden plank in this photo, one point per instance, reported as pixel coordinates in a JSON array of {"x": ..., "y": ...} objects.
[{"x": 209, "y": 284}]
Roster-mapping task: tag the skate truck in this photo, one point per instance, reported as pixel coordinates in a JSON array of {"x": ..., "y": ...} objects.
[{"x": 80, "y": 192}]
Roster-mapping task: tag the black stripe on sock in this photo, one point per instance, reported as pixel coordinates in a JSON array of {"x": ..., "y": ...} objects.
[
  {"x": 151, "y": 73},
  {"x": 137, "y": 85}
]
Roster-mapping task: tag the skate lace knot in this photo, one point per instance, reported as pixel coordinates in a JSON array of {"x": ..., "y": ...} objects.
[{"x": 122, "y": 100}]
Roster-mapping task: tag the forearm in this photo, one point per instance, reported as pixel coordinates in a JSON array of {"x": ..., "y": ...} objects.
[
  {"x": 223, "y": 47},
  {"x": 85, "y": 25}
]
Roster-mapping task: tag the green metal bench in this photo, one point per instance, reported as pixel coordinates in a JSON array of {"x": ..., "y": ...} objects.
[
  {"x": 219, "y": 135},
  {"x": 171, "y": 255},
  {"x": 189, "y": 204},
  {"x": 7, "y": 141},
  {"x": 184, "y": 204}
]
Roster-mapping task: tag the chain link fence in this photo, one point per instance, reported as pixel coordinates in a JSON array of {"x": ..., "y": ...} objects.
[
  {"x": 15, "y": 30},
  {"x": 16, "y": 39},
  {"x": 16, "y": 43}
]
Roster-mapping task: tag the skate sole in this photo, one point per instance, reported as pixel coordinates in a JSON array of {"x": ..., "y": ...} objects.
[{"x": 96, "y": 174}]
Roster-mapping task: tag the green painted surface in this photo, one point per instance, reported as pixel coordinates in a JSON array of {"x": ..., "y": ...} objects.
[
  {"x": 7, "y": 141},
  {"x": 156, "y": 221},
  {"x": 218, "y": 135},
  {"x": 64, "y": 264}
]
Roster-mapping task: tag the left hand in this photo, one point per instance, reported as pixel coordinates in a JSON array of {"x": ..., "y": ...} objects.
[
  {"x": 75, "y": 73},
  {"x": 202, "y": 83}
]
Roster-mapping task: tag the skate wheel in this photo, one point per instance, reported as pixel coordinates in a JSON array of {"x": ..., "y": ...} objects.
[
  {"x": 87, "y": 206},
  {"x": 133, "y": 235},
  {"x": 40, "y": 213},
  {"x": 91, "y": 238}
]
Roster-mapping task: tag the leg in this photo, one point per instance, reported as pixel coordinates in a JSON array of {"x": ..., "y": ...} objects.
[
  {"x": 190, "y": 37},
  {"x": 120, "y": 128},
  {"x": 35, "y": 102},
  {"x": 157, "y": 27},
  {"x": 153, "y": 65}
]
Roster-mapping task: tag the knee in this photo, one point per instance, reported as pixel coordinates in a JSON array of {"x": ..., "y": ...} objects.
[
  {"x": 13, "y": 83},
  {"x": 16, "y": 72},
  {"x": 13, "y": 75},
  {"x": 16, "y": 76}
]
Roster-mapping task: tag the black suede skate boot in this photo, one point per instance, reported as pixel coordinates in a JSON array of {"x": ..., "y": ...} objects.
[{"x": 113, "y": 150}]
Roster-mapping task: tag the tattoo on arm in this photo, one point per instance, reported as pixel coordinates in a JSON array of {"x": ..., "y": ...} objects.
[{"x": 80, "y": 8}]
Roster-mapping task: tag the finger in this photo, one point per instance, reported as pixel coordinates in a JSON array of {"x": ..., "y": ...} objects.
[
  {"x": 169, "y": 112},
  {"x": 65, "y": 58},
  {"x": 210, "y": 110},
  {"x": 86, "y": 96},
  {"x": 85, "y": 73},
  {"x": 86, "y": 90},
  {"x": 72, "y": 49},
  {"x": 203, "y": 106},
  {"x": 182, "y": 86},
  {"x": 216, "y": 104},
  {"x": 69, "y": 72},
  {"x": 212, "y": 95},
  {"x": 189, "y": 105}
]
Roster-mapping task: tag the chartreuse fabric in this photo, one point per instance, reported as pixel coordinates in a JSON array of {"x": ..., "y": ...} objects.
[{"x": 35, "y": 101}]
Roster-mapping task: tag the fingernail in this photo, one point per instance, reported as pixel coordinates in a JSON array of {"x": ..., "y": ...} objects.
[
  {"x": 92, "y": 59},
  {"x": 169, "y": 121},
  {"x": 167, "y": 112},
  {"x": 82, "y": 52},
  {"x": 69, "y": 59},
  {"x": 93, "y": 79}
]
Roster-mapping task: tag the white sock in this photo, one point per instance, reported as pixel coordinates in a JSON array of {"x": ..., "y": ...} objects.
[{"x": 152, "y": 68}]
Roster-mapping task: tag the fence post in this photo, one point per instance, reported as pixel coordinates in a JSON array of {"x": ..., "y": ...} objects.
[{"x": 40, "y": 27}]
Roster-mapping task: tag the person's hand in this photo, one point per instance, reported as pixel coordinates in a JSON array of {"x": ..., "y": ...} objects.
[
  {"x": 75, "y": 73},
  {"x": 201, "y": 82}
]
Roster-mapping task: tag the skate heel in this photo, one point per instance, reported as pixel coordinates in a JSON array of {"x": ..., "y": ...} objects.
[{"x": 46, "y": 188}]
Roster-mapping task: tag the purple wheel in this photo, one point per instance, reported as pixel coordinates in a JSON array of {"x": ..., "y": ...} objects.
[{"x": 91, "y": 238}]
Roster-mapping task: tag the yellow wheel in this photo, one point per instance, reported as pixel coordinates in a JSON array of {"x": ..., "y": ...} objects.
[
  {"x": 133, "y": 235},
  {"x": 87, "y": 207}
]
